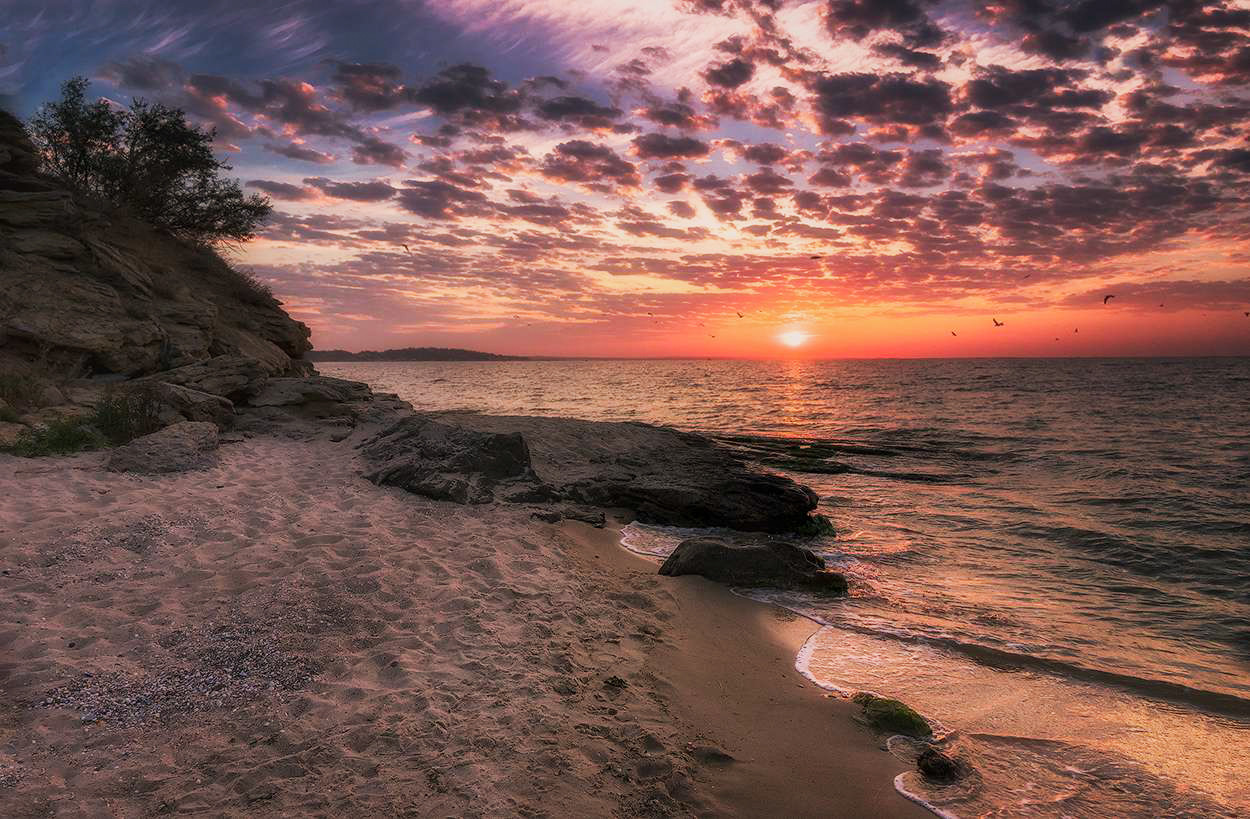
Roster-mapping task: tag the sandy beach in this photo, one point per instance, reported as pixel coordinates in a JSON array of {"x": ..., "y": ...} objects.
[{"x": 275, "y": 635}]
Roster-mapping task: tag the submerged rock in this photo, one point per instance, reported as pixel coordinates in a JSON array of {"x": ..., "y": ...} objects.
[
  {"x": 446, "y": 462},
  {"x": 177, "y": 448},
  {"x": 892, "y": 716},
  {"x": 938, "y": 766},
  {"x": 776, "y": 564}
]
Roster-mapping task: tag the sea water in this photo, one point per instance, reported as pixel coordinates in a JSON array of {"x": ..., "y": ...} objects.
[{"x": 1050, "y": 559}]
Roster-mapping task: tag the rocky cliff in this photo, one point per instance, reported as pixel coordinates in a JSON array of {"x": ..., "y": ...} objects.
[{"x": 89, "y": 292}]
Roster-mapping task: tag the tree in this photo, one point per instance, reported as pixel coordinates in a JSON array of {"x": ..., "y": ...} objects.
[{"x": 146, "y": 158}]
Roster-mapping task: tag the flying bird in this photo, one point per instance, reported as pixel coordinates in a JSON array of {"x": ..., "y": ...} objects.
[
  {"x": 1248, "y": 314},
  {"x": 816, "y": 256},
  {"x": 1026, "y": 275},
  {"x": 739, "y": 312},
  {"x": 1076, "y": 329},
  {"x": 405, "y": 247},
  {"x": 953, "y": 333},
  {"x": 997, "y": 323},
  {"x": 1107, "y": 298}
]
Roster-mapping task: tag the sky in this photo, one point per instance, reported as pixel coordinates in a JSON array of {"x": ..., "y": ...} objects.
[{"x": 740, "y": 178}]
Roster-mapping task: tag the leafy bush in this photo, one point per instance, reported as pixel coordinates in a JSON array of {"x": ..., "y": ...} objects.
[
  {"x": 60, "y": 437},
  {"x": 125, "y": 414},
  {"x": 149, "y": 159}
]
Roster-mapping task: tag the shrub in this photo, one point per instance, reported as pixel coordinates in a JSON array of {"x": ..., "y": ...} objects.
[
  {"x": 149, "y": 159},
  {"x": 128, "y": 413},
  {"x": 60, "y": 437}
]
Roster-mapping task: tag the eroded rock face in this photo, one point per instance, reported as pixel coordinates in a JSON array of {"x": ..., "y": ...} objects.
[
  {"x": 446, "y": 462},
  {"x": 89, "y": 292},
  {"x": 177, "y": 448},
  {"x": 286, "y": 392},
  {"x": 779, "y": 565}
]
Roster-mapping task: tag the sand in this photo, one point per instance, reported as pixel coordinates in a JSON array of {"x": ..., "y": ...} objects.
[{"x": 277, "y": 636}]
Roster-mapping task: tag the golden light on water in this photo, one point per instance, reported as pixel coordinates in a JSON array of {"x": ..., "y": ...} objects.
[{"x": 793, "y": 338}]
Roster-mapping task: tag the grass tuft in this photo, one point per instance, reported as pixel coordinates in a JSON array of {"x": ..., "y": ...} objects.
[{"x": 62, "y": 436}]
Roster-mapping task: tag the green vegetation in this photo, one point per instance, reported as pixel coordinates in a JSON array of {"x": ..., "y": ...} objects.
[
  {"x": 8, "y": 415},
  {"x": 59, "y": 437},
  {"x": 817, "y": 524},
  {"x": 125, "y": 414},
  {"x": 146, "y": 158},
  {"x": 120, "y": 417},
  {"x": 892, "y": 716}
]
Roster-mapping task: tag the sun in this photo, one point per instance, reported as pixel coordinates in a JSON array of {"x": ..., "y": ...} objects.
[{"x": 793, "y": 338}]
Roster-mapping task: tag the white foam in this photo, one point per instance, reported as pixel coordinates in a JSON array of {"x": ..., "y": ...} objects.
[{"x": 901, "y": 786}]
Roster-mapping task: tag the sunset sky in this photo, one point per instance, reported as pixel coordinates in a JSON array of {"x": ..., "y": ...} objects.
[{"x": 625, "y": 178}]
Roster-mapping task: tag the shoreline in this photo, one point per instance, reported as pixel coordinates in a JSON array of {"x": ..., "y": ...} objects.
[
  {"x": 777, "y": 722},
  {"x": 276, "y": 633}
]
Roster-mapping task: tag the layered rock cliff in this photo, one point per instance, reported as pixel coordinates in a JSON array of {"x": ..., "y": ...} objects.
[{"x": 89, "y": 292}]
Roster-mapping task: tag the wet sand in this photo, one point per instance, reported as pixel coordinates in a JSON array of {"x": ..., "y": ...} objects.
[{"x": 277, "y": 636}]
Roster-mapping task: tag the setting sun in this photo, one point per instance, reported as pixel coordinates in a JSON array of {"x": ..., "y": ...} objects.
[{"x": 793, "y": 338}]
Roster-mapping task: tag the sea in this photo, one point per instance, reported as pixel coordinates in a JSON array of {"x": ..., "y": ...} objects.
[{"x": 1049, "y": 558}]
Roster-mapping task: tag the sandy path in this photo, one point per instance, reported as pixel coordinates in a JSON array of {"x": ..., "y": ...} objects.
[{"x": 277, "y": 636}]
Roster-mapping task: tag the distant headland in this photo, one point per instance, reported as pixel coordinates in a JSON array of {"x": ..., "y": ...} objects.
[{"x": 410, "y": 354}]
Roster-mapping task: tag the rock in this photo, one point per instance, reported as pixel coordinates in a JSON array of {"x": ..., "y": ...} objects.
[
  {"x": 892, "y": 716},
  {"x": 9, "y": 433},
  {"x": 282, "y": 392},
  {"x": 185, "y": 404},
  {"x": 938, "y": 766},
  {"x": 446, "y": 462},
  {"x": 229, "y": 376},
  {"x": 662, "y": 475},
  {"x": 177, "y": 448},
  {"x": 775, "y": 564},
  {"x": 50, "y": 396}
]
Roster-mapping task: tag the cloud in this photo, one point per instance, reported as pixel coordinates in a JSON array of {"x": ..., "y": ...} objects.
[
  {"x": 282, "y": 190},
  {"x": 730, "y": 74},
  {"x": 663, "y": 146},
  {"x": 375, "y": 191},
  {"x": 590, "y": 164}
]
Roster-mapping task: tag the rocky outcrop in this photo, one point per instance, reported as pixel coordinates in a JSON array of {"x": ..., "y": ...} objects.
[
  {"x": 659, "y": 474},
  {"x": 892, "y": 716},
  {"x": 940, "y": 767},
  {"x": 776, "y": 564},
  {"x": 177, "y": 448},
  {"x": 185, "y": 404},
  {"x": 447, "y": 462},
  {"x": 287, "y": 392},
  {"x": 90, "y": 292}
]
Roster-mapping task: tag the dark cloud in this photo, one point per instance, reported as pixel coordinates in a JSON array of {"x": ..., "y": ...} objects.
[
  {"x": 370, "y": 86},
  {"x": 300, "y": 152},
  {"x": 375, "y": 191},
  {"x": 469, "y": 95},
  {"x": 590, "y": 164},
  {"x": 282, "y": 190},
  {"x": 730, "y": 74},
  {"x": 374, "y": 151},
  {"x": 857, "y": 19},
  {"x": 884, "y": 99},
  {"x": 663, "y": 146},
  {"x": 435, "y": 199},
  {"x": 579, "y": 111}
]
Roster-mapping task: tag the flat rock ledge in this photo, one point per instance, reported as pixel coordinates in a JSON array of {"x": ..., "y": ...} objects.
[
  {"x": 176, "y": 448},
  {"x": 661, "y": 475},
  {"x": 777, "y": 564}
]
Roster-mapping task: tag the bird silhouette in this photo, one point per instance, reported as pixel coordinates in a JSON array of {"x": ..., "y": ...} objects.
[
  {"x": 816, "y": 256},
  {"x": 739, "y": 312},
  {"x": 1026, "y": 275},
  {"x": 953, "y": 333},
  {"x": 651, "y": 314},
  {"x": 1076, "y": 330},
  {"x": 405, "y": 247},
  {"x": 1107, "y": 298},
  {"x": 1248, "y": 314},
  {"x": 997, "y": 323}
]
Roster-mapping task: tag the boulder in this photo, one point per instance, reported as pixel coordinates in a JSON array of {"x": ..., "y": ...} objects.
[
  {"x": 177, "y": 448},
  {"x": 776, "y": 564},
  {"x": 9, "y": 433},
  {"x": 228, "y": 376},
  {"x": 284, "y": 392},
  {"x": 446, "y": 462},
  {"x": 185, "y": 404},
  {"x": 892, "y": 716},
  {"x": 938, "y": 766},
  {"x": 662, "y": 475}
]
